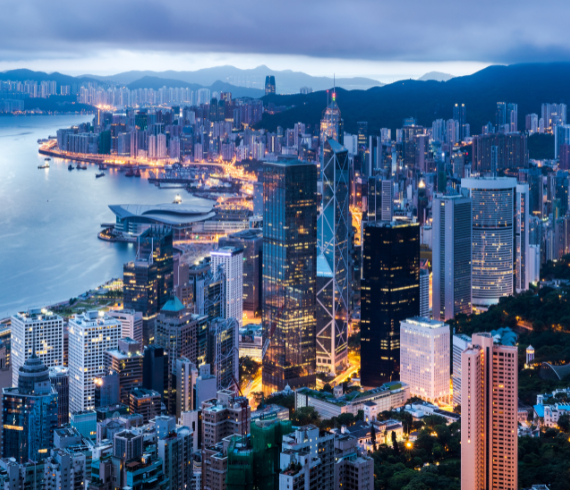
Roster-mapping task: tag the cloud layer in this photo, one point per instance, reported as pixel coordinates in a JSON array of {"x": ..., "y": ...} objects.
[{"x": 503, "y": 31}]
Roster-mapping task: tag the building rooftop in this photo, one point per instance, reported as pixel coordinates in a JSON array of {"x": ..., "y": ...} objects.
[
  {"x": 425, "y": 322},
  {"x": 169, "y": 214}
]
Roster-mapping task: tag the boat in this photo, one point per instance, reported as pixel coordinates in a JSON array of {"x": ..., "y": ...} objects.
[
  {"x": 102, "y": 174},
  {"x": 70, "y": 167},
  {"x": 47, "y": 159},
  {"x": 45, "y": 165},
  {"x": 84, "y": 167},
  {"x": 138, "y": 172},
  {"x": 177, "y": 199},
  {"x": 102, "y": 166},
  {"x": 130, "y": 173}
]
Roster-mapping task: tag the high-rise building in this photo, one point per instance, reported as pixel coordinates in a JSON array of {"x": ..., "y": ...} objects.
[
  {"x": 451, "y": 255},
  {"x": 380, "y": 199},
  {"x": 493, "y": 235},
  {"x": 231, "y": 259},
  {"x": 489, "y": 432},
  {"x": 511, "y": 151},
  {"x": 522, "y": 237},
  {"x": 553, "y": 115},
  {"x": 331, "y": 122},
  {"x": 132, "y": 323},
  {"x": 90, "y": 335},
  {"x": 29, "y": 413},
  {"x": 561, "y": 137},
  {"x": 175, "y": 450},
  {"x": 289, "y": 274},
  {"x": 460, "y": 343},
  {"x": 424, "y": 355},
  {"x": 186, "y": 374},
  {"x": 38, "y": 331},
  {"x": 145, "y": 402},
  {"x": 148, "y": 281},
  {"x": 177, "y": 330},
  {"x": 252, "y": 243},
  {"x": 334, "y": 261},
  {"x": 155, "y": 369},
  {"x": 501, "y": 115},
  {"x": 59, "y": 378},
  {"x": 531, "y": 123},
  {"x": 424, "y": 292},
  {"x": 362, "y": 129},
  {"x": 127, "y": 361},
  {"x": 269, "y": 84},
  {"x": 460, "y": 115},
  {"x": 223, "y": 352},
  {"x": 512, "y": 117},
  {"x": 390, "y": 294}
]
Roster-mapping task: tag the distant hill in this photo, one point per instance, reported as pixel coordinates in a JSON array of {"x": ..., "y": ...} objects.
[
  {"x": 437, "y": 76},
  {"x": 528, "y": 85},
  {"x": 157, "y": 83},
  {"x": 24, "y": 74},
  {"x": 286, "y": 81}
]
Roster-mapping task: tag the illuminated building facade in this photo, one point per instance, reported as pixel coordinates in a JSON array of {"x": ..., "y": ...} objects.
[
  {"x": 148, "y": 281},
  {"x": 489, "y": 405},
  {"x": 36, "y": 331},
  {"x": 231, "y": 260},
  {"x": 334, "y": 262},
  {"x": 380, "y": 199},
  {"x": 29, "y": 414},
  {"x": 493, "y": 234},
  {"x": 269, "y": 84},
  {"x": 390, "y": 293},
  {"x": 90, "y": 335},
  {"x": 451, "y": 256},
  {"x": 425, "y": 358},
  {"x": 331, "y": 122},
  {"x": 289, "y": 275}
]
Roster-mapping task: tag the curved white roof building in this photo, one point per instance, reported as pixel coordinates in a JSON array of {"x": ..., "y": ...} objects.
[{"x": 134, "y": 218}]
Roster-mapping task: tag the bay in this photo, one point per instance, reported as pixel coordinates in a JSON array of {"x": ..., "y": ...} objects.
[{"x": 49, "y": 218}]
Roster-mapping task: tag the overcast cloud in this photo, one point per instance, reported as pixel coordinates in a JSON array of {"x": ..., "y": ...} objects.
[{"x": 487, "y": 31}]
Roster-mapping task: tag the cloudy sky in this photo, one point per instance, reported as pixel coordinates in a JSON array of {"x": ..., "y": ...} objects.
[{"x": 376, "y": 38}]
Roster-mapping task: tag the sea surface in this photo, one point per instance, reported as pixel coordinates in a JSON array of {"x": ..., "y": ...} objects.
[{"x": 49, "y": 219}]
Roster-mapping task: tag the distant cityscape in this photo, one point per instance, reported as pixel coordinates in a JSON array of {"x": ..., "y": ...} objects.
[{"x": 339, "y": 311}]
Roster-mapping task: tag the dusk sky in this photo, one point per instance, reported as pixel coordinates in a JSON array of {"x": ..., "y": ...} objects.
[{"x": 374, "y": 38}]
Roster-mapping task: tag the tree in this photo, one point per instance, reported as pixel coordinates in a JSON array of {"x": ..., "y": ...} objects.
[
  {"x": 564, "y": 423},
  {"x": 305, "y": 416},
  {"x": 395, "y": 444},
  {"x": 328, "y": 388},
  {"x": 373, "y": 436}
]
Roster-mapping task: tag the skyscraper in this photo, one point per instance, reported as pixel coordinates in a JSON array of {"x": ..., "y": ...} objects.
[
  {"x": 451, "y": 255},
  {"x": 59, "y": 378},
  {"x": 148, "y": 281},
  {"x": 127, "y": 361},
  {"x": 252, "y": 243},
  {"x": 29, "y": 413},
  {"x": 269, "y": 84},
  {"x": 460, "y": 343},
  {"x": 522, "y": 238},
  {"x": 493, "y": 234},
  {"x": 489, "y": 404},
  {"x": 331, "y": 122},
  {"x": 362, "y": 128},
  {"x": 289, "y": 274},
  {"x": 380, "y": 199},
  {"x": 90, "y": 335},
  {"x": 38, "y": 331},
  {"x": 231, "y": 259},
  {"x": 501, "y": 114},
  {"x": 390, "y": 294},
  {"x": 513, "y": 117},
  {"x": 425, "y": 358},
  {"x": 460, "y": 115},
  {"x": 333, "y": 245}
]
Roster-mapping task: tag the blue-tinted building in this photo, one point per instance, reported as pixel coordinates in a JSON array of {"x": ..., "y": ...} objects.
[
  {"x": 289, "y": 274},
  {"x": 29, "y": 415}
]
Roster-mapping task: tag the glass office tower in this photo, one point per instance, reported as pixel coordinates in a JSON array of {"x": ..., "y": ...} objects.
[
  {"x": 390, "y": 294},
  {"x": 334, "y": 262},
  {"x": 148, "y": 281},
  {"x": 289, "y": 274},
  {"x": 29, "y": 414}
]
